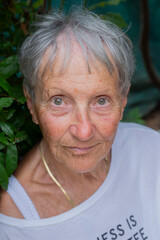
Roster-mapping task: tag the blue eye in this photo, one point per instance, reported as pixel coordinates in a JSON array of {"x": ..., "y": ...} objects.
[
  {"x": 102, "y": 101},
  {"x": 58, "y": 101}
]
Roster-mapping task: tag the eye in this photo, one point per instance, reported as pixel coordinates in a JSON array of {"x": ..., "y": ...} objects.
[
  {"x": 58, "y": 101},
  {"x": 101, "y": 101}
]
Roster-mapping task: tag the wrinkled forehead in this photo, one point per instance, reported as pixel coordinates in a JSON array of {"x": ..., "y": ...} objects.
[{"x": 69, "y": 58}]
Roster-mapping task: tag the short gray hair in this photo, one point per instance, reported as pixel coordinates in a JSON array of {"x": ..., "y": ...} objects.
[{"x": 92, "y": 34}]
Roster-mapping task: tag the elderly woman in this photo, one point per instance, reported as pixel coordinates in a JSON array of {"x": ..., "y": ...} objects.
[{"x": 90, "y": 177}]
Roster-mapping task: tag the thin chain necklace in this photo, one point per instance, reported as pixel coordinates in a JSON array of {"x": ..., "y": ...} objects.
[{"x": 56, "y": 181}]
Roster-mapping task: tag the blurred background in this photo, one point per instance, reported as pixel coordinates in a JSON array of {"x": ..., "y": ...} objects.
[{"x": 141, "y": 20}]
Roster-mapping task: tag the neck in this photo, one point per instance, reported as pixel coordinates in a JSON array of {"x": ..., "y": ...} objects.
[{"x": 76, "y": 187}]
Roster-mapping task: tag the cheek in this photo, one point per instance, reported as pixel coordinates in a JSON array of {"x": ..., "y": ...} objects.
[
  {"x": 107, "y": 126},
  {"x": 52, "y": 128}
]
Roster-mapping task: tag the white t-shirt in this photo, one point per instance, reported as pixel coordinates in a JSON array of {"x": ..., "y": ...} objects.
[{"x": 125, "y": 207}]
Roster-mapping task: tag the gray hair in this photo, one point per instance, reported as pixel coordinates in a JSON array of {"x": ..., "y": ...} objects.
[{"x": 92, "y": 34}]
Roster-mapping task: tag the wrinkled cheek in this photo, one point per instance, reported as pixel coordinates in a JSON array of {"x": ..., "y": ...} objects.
[
  {"x": 109, "y": 128},
  {"x": 51, "y": 130}
]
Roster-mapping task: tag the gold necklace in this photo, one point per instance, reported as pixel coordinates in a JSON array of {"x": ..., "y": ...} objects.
[{"x": 56, "y": 181}]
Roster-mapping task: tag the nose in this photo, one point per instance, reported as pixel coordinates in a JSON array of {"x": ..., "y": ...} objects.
[{"x": 83, "y": 129}]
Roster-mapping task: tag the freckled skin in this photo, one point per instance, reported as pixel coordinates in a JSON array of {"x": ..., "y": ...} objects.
[{"x": 80, "y": 122}]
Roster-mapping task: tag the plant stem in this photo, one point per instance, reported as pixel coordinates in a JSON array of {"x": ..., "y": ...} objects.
[
  {"x": 62, "y": 5},
  {"x": 85, "y": 3},
  {"x": 144, "y": 43}
]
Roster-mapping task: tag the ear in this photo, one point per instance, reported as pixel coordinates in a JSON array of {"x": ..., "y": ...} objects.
[
  {"x": 124, "y": 102},
  {"x": 31, "y": 106}
]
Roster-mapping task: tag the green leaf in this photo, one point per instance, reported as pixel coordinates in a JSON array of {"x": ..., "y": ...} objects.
[
  {"x": 11, "y": 159},
  {"x": 8, "y": 67},
  {"x": 115, "y": 2},
  {"x": 5, "y": 102},
  {"x": 2, "y": 146},
  {"x": 17, "y": 92},
  {"x": 3, "y": 138},
  {"x": 10, "y": 114},
  {"x": 7, "y": 129},
  {"x": 101, "y": 4},
  {"x": 18, "y": 35},
  {"x": 3, "y": 177},
  {"x": 4, "y": 84},
  {"x": 2, "y": 158},
  {"x": 6, "y": 46},
  {"x": 21, "y": 100},
  {"x": 115, "y": 18},
  {"x": 20, "y": 5},
  {"x": 20, "y": 119},
  {"x": 37, "y": 3},
  {"x": 105, "y": 3},
  {"x": 21, "y": 136},
  {"x": 134, "y": 115}
]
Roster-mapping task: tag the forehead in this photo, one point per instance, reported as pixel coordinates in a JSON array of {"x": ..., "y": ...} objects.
[{"x": 76, "y": 70}]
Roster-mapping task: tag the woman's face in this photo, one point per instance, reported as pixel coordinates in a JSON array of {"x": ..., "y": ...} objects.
[{"x": 78, "y": 112}]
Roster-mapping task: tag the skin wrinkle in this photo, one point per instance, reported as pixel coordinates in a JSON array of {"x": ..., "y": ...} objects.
[
  {"x": 62, "y": 46},
  {"x": 76, "y": 78}
]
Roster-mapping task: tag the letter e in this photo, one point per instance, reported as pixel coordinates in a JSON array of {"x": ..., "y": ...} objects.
[
  {"x": 142, "y": 234},
  {"x": 103, "y": 236}
]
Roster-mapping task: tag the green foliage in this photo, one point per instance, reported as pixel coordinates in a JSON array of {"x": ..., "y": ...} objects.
[
  {"x": 5, "y": 102},
  {"x": 37, "y": 4},
  {"x": 17, "y": 132},
  {"x": 3, "y": 177},
  {"x": 106, "y": 3},
  {"x": 112, "y": 17},
  {"x": 134, "y": 115},
  {"x": 8, "y": 67},
  {"x": 115, "y": 18}
]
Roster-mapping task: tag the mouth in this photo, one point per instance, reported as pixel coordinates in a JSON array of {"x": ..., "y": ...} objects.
[{"x": 80, "y": 150}]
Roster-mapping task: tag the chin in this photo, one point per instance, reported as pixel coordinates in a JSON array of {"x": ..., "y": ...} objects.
[{"x": 82, "y": 165}]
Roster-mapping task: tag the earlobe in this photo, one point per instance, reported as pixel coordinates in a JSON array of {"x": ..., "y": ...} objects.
[{"x": 31, "y": 106}]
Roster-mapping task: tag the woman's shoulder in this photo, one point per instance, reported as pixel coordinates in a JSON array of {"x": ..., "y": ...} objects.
[
  {"x": 7, "y": 206},
  {"x": 138, "y": 140},
  {"x": 134, "y": 130},
  {"x": 136, "y": 126},
  {"x": 28, "y": 165},
  {"x": 138, "y": 148},
  {"x": 24, "y": 174}
]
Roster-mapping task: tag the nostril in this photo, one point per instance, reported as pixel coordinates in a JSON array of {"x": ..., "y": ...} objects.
[
  {"x": 83, "y": 131},
  {"x": 73, "y": 130}
]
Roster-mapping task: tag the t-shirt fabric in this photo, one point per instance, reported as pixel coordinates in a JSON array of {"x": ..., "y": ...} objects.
[
  {"x": 125, "y": 207},
  {"x": 21, "y": 199}
]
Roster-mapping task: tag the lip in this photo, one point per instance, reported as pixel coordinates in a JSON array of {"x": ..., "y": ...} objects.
[{"x": 80, "y": 150}]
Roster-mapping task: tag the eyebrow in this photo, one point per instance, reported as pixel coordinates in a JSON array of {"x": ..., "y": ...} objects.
[{"x": 54, "y": 90}]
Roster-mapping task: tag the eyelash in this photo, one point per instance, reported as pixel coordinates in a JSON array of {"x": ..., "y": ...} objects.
[
  {"x": 106, "y": 99},
  {"x": 57, "y": 97}
]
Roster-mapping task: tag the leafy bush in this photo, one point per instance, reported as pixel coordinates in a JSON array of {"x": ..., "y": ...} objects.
[{"x": 17, "y": 132}]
